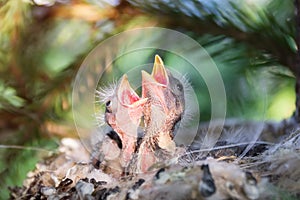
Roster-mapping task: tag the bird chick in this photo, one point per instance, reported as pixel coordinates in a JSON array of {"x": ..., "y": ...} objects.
[
  {"x": 124, "y": 109},
  {"x": 163, "y": 109}
]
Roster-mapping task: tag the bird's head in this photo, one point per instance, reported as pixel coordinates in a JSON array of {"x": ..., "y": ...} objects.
[
  {"x": 165, "y": 93},
  {"x": 125, "y": 108}
]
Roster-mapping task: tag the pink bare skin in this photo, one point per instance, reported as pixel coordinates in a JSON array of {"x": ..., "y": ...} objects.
[
  {"x": 163, "y": 109},
  {"x": 124, "y": 112}
]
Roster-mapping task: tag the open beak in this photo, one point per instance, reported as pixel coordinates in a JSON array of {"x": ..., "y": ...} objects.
[
  {"x": 127, "y": 96},
  {"x": 159, "y": 72},
  {"x": 125, "y": 93},
  {"x": 154, "y": 85},
  {"x": 132, "y": 104}
]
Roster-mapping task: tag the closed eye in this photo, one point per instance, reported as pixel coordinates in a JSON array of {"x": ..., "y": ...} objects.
[
  {"x": 179, "y": 87},
  {"x": 108, "y": 107}
]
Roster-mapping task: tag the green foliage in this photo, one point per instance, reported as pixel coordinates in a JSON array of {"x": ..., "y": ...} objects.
[
  {"x": 65, "y": 41},
  {"x": 9, "y": 98},
  {"x": 256, "y": 23},
  {"x": 10, "y": 29}
]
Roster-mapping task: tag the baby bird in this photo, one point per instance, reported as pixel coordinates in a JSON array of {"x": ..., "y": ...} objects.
[
  {"x": 164, "y": 107},
  {"x": 124, "y": 109}
]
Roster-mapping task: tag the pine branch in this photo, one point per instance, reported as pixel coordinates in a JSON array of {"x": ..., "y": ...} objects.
[
  {"x": 297, "y": 61},
  {"x": 230, "y": 18}
]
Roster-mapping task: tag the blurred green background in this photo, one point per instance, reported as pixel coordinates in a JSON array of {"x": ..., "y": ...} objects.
[{"x": 43, "y": 43}]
